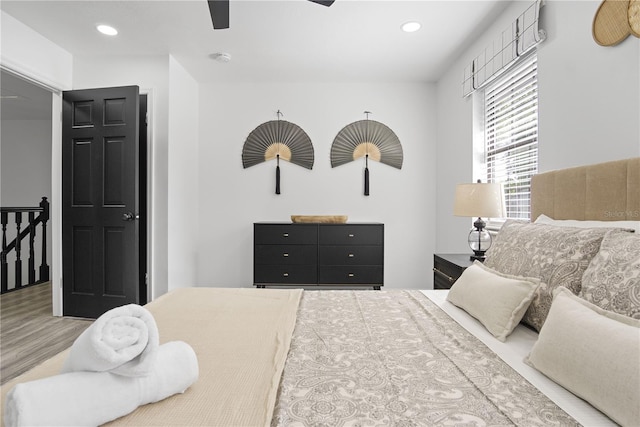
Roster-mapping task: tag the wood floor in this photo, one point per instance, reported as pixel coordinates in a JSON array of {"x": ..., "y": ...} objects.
[{"x": 29, "y": 334}]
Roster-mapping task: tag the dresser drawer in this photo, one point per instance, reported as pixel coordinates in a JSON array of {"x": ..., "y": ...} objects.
[
  {"x": 285, "y": 254},
  {"x": 351, "y": 255},
  {"x": 285, "y": 234},
  {"x": 286, "y": 274},
  {"x": 369, "y": 274},
  {"x": 351, "y": 234}
]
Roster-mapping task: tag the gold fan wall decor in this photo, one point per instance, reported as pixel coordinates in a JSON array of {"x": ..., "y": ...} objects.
[
  {"x": 369, "y": 139},
  {"x": 278, "y": 139}
]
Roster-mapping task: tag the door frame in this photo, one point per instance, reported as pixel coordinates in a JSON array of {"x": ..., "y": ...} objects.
[{"x": 56, "y": 184}]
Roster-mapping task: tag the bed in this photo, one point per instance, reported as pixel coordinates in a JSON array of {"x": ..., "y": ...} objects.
[{"x": 408, "y": 357}]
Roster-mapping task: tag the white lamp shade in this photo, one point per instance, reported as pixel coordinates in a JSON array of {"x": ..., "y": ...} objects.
[{"x": 479, "y": 200}]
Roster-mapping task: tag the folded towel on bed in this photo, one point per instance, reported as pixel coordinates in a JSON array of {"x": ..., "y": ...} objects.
[
  {"x": 124, "y": 341},
  {"x": 94, "y": 398}
]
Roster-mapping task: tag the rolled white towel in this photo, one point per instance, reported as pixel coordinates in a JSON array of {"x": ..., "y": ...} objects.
[
  {"x": 124, "y": 341},
  {"x": 94, "y": 398}
]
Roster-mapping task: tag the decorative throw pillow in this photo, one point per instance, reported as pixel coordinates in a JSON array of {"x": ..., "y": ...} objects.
[
  {"x": 558, "y": 256},
  {"x": 593, "y": 353},
  {"x": 497, "y": 300},
  {"x": 612, "y": 280}
]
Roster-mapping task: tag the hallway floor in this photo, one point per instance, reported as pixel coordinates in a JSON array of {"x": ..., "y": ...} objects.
[{"x": 29, "y": 334}]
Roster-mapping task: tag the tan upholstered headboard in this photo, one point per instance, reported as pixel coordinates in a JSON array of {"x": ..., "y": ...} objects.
[{"x": 605, "y": 192}]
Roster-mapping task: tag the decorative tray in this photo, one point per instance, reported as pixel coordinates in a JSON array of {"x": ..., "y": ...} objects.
[{"x": 326, "y": 219}]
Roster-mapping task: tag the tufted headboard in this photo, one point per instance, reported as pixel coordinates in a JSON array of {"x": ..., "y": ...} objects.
[{"x": 605, "y": 192}]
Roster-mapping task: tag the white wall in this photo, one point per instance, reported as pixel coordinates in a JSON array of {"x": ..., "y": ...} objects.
[
  {"x": 29, "y": 53},
  {"x": 233, "y": 198},
  {"x": 151, "y": 73},
  {"x": 183, "y": 184},
  {"x": 589, "y": 105},
  {"x": 26, "y": 162}
]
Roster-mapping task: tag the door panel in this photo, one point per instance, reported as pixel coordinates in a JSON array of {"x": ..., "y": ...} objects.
[
  {"x": 81, "y": 164},
  {"x": 100, "y": 195},
  {"x": 113, "y": 185},
  {"x": 114, "y": 261},
  {"x": 82, "y": 260}
]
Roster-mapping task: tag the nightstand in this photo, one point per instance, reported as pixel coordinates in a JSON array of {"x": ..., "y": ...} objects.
[{"x": 447, "y": 268}]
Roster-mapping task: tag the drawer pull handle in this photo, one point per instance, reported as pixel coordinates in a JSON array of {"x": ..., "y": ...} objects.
[
  {"x": 285, "y": 275},
  {"x": 351, "y": 275},
  {"x": 285, "y": 254},
  {"x": 351, "y": 235},
  {"x": 443, "y": 275},
  {"x": 351, "y": 255},
  {"x": 285, "y": 234}
]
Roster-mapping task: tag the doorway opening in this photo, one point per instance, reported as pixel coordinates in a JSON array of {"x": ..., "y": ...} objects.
[
  {"x": 25, "y": 180},
  {"x": 52, "y": 102}
]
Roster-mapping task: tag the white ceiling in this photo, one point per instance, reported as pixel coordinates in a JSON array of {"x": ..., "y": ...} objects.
[{"x": 271, "y": 40}]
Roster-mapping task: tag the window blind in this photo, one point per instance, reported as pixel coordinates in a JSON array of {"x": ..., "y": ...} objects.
[{"x": 511, "y": 134}]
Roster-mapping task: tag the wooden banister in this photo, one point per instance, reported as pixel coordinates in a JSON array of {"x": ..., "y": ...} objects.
[{"x": 16, "y": 244}]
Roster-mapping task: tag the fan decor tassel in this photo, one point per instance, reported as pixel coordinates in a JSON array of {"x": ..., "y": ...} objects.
[
  {"x": 278, "y": 174},
  {"x": 278, "y": 139},
  {"x": 369, "y": 139},
  {"x": 366, "y": 175}
]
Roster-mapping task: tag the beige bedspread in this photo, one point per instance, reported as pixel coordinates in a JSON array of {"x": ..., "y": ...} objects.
[{"x": 241, "y": 338}]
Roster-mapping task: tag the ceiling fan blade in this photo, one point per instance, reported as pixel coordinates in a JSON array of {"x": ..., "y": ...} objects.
[
  {"x": 219, "y": 10},
  {"x": 323, "y": 2}
]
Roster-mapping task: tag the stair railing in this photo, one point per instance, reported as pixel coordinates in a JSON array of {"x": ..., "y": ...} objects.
[{"x": 16, "y": 244}]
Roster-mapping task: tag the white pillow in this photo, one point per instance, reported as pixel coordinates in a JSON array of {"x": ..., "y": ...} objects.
[
  {"x": 497, "y": 300},
  {"x": 593, "y": 353},
  {"x": 629, "y": 225}
]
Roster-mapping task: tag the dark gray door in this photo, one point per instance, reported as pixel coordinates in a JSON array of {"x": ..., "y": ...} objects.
[{"x": 100, "y": 196}]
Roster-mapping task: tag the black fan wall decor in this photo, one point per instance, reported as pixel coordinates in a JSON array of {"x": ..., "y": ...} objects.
[
  {"x": 369, "y": 139},
  {"x": 278, "y": 139},
  {"x": 219, "y": 10}
]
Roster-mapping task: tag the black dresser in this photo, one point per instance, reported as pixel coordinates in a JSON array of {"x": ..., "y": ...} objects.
[{"x": 349, "y": 254}]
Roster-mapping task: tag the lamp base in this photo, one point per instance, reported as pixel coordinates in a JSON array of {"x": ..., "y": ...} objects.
[
  {"x": 478, "y": 255},
  {"x": 479, "y": 240},
  {"x": 480, "y": 258}
]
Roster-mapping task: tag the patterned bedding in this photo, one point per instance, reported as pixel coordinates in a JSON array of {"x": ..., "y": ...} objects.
[{"x": 395, "y": 358}]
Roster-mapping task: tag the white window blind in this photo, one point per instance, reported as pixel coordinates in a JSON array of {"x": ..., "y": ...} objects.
[{"x": 511, "y": 134}]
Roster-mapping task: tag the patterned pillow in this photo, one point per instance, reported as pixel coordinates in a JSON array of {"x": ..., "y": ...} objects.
[
  {"x": 612, "y": 280},
  {"x": 558, "y": 256}
]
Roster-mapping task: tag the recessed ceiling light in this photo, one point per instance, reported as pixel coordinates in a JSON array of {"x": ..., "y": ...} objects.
[
  {"x": 410, "y": 27},
  {"x": 107, "y": 30}
]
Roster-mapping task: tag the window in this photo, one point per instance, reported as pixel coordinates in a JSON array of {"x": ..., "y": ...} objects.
[{"x": 511, "y": 134}]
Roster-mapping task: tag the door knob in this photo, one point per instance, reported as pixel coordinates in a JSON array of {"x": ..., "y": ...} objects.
[{"x": 128, "y": 216}]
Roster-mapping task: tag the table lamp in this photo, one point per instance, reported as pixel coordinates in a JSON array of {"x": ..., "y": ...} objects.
[{"x": 479, "y": 200}]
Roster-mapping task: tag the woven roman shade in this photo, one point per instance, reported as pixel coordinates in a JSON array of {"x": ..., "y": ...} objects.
[{"x": 514, "y": 42}]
